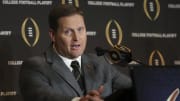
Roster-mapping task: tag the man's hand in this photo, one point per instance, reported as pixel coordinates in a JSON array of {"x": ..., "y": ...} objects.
[{"x": 94, "y": 95}]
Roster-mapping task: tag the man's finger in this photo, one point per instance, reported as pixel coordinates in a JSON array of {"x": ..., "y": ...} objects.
[
  {"x": 100, "y": 89},
  {"x": 83, "y": 99},
  {"x": 94, "y": 98},
  {"x": 94, "y": 93}
]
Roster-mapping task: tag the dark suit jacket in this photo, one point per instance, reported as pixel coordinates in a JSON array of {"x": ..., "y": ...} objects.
[{"x": 46, "y": 78}]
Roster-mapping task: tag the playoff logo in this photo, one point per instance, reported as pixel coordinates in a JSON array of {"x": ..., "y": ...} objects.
[
  {"x": 73, "y": 2},
  {"x": 30, "y": 31},
  {"x": 113, "y": 33},
  {"x": 156, "y": 58},
  {"x": 151, "y": 9},
  {"x": 173, "y": 96}
]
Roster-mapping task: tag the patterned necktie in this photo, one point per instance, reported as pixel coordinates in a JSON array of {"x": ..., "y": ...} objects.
[
  {"x": 76, "y": 69},
  {"x": 77, "y": 74}
]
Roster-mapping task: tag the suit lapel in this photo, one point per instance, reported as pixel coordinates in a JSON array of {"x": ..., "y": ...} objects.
[
  {"x": 64, "y": 73},
  {"x": 89, "y": 73}
]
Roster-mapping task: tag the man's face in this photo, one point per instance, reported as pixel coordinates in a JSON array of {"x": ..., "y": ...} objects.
[{"x": 70, "y": 37}]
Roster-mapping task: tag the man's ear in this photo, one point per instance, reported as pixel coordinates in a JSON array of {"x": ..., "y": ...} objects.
[{"x": 52, "y": 35}]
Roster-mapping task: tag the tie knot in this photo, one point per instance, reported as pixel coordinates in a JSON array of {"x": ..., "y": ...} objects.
[{"x": 75, "y": 65}]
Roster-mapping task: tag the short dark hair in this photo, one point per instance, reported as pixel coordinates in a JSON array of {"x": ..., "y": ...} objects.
[{"x": 60, "y": 11}]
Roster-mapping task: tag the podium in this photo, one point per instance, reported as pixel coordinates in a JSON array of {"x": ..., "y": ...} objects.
[{"x": 156, "y": 83}]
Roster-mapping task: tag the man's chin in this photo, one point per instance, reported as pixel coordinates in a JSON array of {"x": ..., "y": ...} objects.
[{"x": 75, "y": 56}]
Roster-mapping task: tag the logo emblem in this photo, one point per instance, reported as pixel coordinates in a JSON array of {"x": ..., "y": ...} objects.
[
  {"x": 156, "y": 59},
  {"x": 73, "y": 2},
  {"x": 113, "y": 33},
  {"x": 173, "y": 96},
  {"x": 152, "y": 9},
  {"x": 30, "y": 32}
]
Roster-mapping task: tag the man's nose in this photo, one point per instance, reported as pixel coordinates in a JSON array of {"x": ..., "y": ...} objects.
[{"x": 75, "y": 36}]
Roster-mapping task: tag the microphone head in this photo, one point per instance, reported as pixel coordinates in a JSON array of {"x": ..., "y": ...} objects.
[
  {"x": 125, "y": 54},
  {"x": 119, "y": 54},
  {"x": 100, "y": 51}
]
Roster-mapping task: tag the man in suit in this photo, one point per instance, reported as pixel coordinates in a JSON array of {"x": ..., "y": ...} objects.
[{"x": 54, "y": 76}]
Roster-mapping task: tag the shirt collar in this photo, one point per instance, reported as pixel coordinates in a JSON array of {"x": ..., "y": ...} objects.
[{"x": 68, "y": 61}]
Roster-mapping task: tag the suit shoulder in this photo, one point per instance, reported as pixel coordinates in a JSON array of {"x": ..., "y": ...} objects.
[
  {"x": 36, "y": 61},
  {"x": 98, "y": 61},
  {"x": 94, "y": 58}
]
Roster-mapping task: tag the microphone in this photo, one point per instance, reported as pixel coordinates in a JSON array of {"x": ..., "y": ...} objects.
[
  {"x": 119, "y": 54},
  {"x": 100, "y": 51}
]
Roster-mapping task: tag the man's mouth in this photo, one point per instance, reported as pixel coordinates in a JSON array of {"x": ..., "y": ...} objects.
[{"x": 77, "y": 46}]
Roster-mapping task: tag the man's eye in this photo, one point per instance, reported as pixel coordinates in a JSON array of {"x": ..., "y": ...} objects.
[
  {"x": 68, "y": 32},
  {"x": 80, "y": 29}
]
